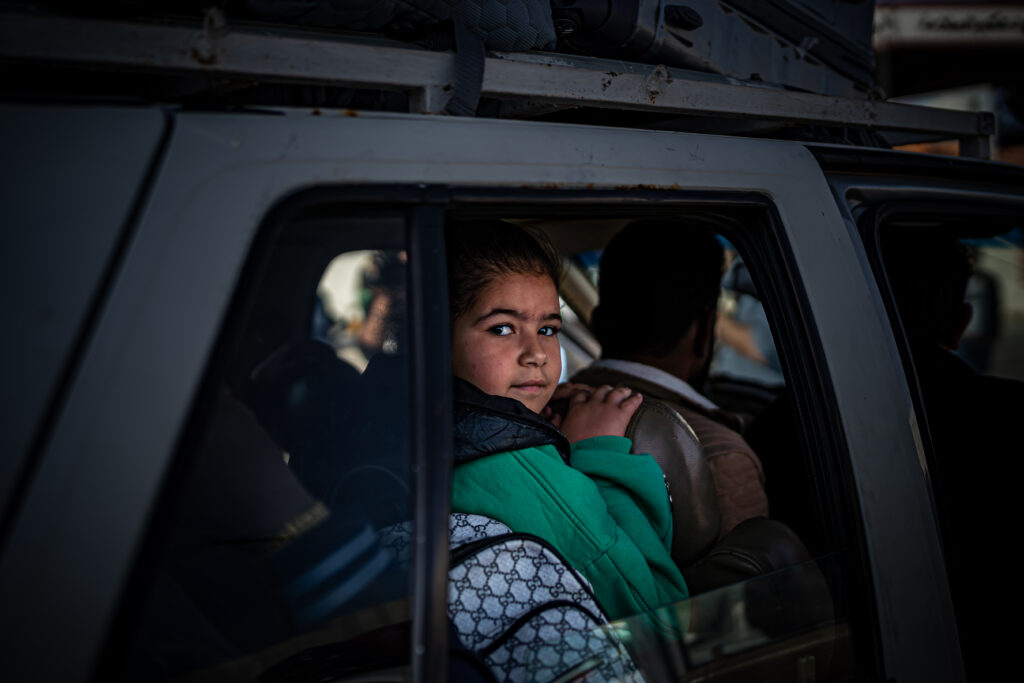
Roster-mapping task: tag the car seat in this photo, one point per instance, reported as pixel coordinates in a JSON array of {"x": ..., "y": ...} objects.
[
  {"x": 339, "y": 427},
  {"x": 696, "y": 521}
]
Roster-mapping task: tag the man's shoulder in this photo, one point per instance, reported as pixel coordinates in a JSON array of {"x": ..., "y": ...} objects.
[
  {"x": 689, "y": 408},
  {"x": 948, "y": 381},
  {"x": 995, "y": 398},
  {"x": 716, "y": 433},
  {"x": 1002, "y": 387},
  {"x": 597, "y": 375}
]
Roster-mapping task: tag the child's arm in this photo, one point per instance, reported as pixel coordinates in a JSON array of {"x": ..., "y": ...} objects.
[{"x": 633, "y": 486}]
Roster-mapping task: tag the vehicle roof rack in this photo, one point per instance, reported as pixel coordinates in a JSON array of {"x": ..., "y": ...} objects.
[{"x": 528, "y": 84}]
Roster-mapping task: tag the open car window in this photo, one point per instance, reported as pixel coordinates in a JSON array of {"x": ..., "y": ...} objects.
[
  {"x": 952, "y": 275},
  {"x": 745, "y": 619},
  {"x": 993, "y": 342}
]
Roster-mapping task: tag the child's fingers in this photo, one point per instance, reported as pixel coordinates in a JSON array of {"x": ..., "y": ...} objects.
[
  {"x": 580, "y": 397},
  {"x": 632, "y": 402},
  {"x": 601, "y": 393},
  {"x": 619, "y": 394},
  {"x": 568, "y": 390}
]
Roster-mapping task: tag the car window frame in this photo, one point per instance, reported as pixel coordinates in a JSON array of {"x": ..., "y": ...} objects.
[{"x": 770, "y": 259}]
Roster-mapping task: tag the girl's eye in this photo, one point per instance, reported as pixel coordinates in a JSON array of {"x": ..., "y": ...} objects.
[
  {"x": 501, "y": 330},
  {"x": 548, "y": 331}
]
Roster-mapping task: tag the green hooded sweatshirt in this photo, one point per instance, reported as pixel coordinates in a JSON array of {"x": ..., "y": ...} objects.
[{"x": 607, "y": 513}]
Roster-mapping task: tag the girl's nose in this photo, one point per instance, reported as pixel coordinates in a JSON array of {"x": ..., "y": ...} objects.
[{"x": 533, "y": 352}]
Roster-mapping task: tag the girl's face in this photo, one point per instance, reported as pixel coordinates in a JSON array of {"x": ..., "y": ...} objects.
[{"x": 507, "y": 342}]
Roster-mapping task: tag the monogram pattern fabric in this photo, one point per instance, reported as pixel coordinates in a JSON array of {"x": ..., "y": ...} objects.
[
  {"x": 501, "y": 582},
  {"x": 561, "y": 641},
  {"x": 516, "y": 603}
]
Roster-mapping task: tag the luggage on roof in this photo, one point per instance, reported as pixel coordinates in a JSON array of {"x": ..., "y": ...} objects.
[
  {"x": 511, "y": 25},
  {"x": 822, "y": 46}
]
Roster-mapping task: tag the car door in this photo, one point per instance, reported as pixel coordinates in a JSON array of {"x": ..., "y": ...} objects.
[
  {"x": 72, "y": 179},
  {"x": 943, "y": 240}
]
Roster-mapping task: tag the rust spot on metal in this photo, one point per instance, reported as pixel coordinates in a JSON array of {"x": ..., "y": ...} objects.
[
  {"x": 639, "y": 186},
  {"x": 316, "y": 112},
  {"x": 349, "y": 112},
  {"x": 656, "y": 82},
  {"x": 215, "y": 27},
  {"x": 206, "y": 59}
]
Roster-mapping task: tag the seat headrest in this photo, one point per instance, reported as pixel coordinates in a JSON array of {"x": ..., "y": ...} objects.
[
  {"x": 303, "y": 395},
  {"x": 696, "y": 520}
]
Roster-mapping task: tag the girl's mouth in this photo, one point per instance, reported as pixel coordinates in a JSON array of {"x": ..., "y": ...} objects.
[{"x": 531, "y": 387}]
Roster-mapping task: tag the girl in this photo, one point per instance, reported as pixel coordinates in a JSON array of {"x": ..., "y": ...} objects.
[{"x": 606, "y": 510}]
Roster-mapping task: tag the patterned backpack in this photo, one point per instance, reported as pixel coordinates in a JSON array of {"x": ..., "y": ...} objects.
[{"x": 517, "y": 604}]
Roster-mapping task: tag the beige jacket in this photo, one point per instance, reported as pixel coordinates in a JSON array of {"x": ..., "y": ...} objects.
[{"x": 735, "y": 469}]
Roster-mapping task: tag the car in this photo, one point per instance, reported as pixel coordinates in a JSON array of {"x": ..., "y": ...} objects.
[{"x": 173, "y": 275}]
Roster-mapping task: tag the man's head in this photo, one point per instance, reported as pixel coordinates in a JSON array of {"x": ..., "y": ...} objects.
[
  {"x": 928, "y": 274},
  {"x": 659, "y": 284}
]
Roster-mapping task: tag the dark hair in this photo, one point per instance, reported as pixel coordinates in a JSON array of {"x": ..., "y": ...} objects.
[
  {"x": 480, "y": 251},
  {"x": 656, "y": 277},
  {"x": 928, "y": 274}
]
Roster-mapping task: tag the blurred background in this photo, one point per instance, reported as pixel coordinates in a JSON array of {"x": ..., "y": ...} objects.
[{"x": 963, "y": 54}]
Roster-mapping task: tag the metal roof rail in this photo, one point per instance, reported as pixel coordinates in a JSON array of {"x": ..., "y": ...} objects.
[{"x": 526, "y": 82}]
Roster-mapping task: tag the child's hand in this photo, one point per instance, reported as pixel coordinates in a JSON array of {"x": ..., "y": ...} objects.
[
  {"x": 558, "y": 405},
  {"x": 602, "y": 412}
]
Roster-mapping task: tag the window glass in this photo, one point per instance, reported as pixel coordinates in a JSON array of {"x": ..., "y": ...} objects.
[
  {"x": 288, "y": 519},
  {"x": 955, "y": 288},
  {"x": 993, "y": 342},
  {"x": 745, "y": 373},
  {"x": 577, "y": 347},
  {"x": 778, "y": 626}
]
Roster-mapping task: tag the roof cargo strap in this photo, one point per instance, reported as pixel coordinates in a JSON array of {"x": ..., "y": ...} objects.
[{"x": 470, "y": 58}]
